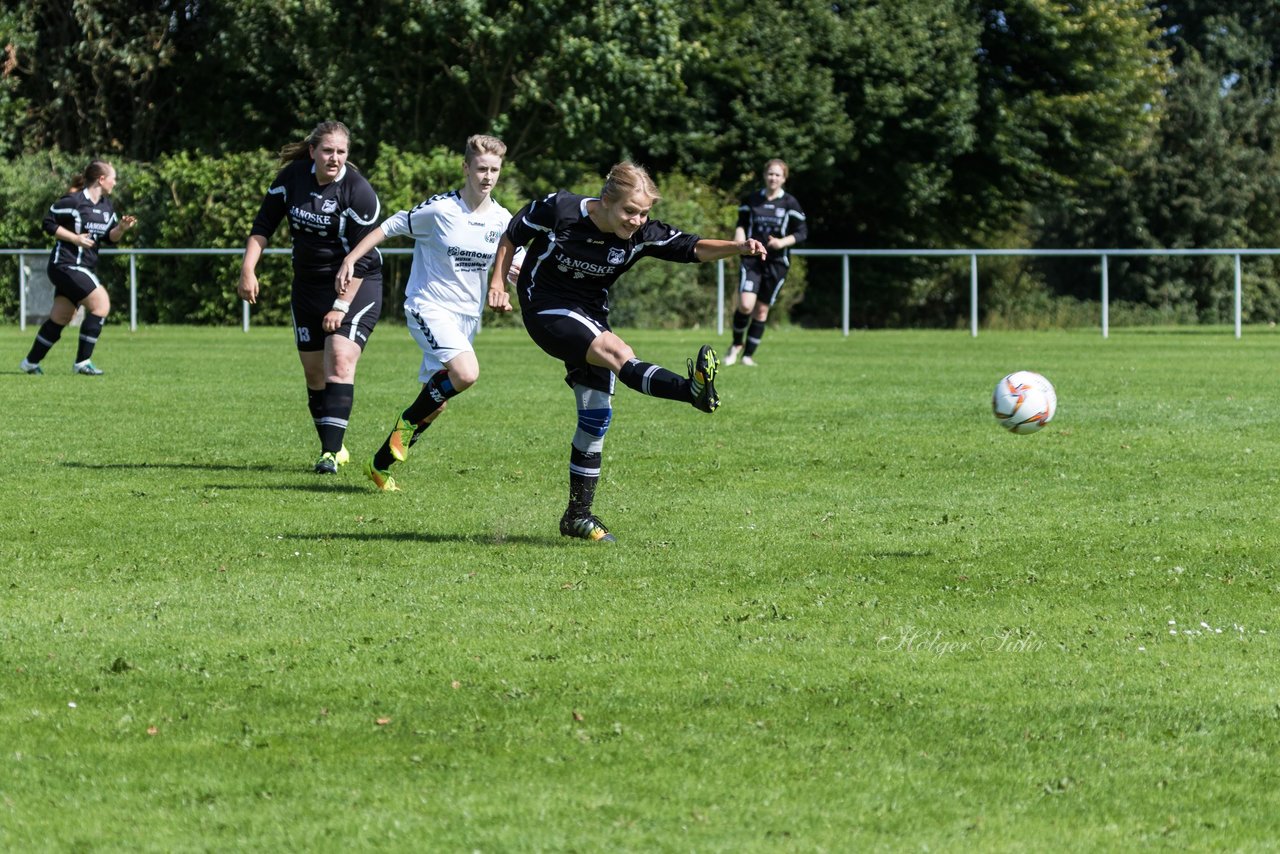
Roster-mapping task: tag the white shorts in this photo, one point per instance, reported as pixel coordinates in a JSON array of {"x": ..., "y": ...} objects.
[{"x": 442, "y": 335}]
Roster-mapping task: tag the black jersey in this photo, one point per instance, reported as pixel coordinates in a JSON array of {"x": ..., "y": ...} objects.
[
  {"x": 572, "y": 261},
  {"x": 77, "y": 212},
  {"x": 324, "y": 222},
  {"x": 762, "y": 218}
]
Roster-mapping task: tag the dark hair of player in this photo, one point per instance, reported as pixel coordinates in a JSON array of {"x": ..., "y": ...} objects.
[{"x": 95, "y": 170}]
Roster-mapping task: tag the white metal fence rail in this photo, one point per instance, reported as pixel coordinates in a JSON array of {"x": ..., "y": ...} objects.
[
  {"x": 843, "y": 254},
  {"x": 1103, "y": 254},
  {"x": 40, "y": 255}
]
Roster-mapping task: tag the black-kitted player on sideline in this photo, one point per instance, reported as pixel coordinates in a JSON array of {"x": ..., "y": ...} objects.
[
  {"x": 774, "y": 217},
  {"x": 82, "y": 221},
  {"x": 578, "y": 246},
  {"x": 330, "y": 207}
]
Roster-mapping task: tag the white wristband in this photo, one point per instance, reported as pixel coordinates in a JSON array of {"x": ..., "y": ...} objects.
[{"x": 341, "y": 305}]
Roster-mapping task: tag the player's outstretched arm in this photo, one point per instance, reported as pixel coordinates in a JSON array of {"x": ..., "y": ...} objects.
[
  {"x": 126, "y": 224},
  {"x": 499, "y": 299},
  {"x": 348, "y": 269},
  {"x": 341, "y": 305},
  {"x": 708, "y": 249},
  {"x": 248, "y": 286}
]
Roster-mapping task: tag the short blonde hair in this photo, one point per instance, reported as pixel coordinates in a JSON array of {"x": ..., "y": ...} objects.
[
  {"x": 625, "y": 179},
  {"x": 480, "y": 143}
]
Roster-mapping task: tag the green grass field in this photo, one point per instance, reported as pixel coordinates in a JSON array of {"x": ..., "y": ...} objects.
[{"x": 847, "y": 612}]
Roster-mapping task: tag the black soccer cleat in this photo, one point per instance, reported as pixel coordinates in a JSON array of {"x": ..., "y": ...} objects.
[
  {"x": 586, "y": 528},
  {"x": 327, "y": 464},
  {"x": 702, "y": 376}
]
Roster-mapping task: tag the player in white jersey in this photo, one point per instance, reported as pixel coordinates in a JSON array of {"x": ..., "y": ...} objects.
[{"x": 455, "y": 236}]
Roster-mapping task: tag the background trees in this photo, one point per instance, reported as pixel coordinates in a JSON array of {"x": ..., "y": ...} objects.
[
  {"x": 917, "y": 123},
  {"x": 1210, "y": 176}
]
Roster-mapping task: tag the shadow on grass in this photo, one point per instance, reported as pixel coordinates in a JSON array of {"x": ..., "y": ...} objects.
[
  {"x": 323, "y": 484},
  {"x": 188, "y": 466},
  {"x": 320, "y": 485},
  {"x": 427, "y": 537}
]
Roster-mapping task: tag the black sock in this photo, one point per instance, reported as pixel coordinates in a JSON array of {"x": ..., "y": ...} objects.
[
  {"x": 90, "y": 329},
  {"x": 434, "y": 393},
  {"x": 655, "y": 381},
  {"x": 383, "y": 458},
  {"x": 754, "y": 334},
  {"x": 584, "y": 474},
  {"x": 46, "y": 337},
  {"x": 315, "y": 405},
  {"x": 418, "y": 431},
  {"x": 338, "y": 400},
  {"x": 740, "y": 322}
]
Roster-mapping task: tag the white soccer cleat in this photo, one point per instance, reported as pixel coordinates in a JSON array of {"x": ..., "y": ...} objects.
[{"x": 86, "y": 368}]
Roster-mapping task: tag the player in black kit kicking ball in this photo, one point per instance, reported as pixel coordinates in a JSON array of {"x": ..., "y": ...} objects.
[{"x": 578, "y": 246}]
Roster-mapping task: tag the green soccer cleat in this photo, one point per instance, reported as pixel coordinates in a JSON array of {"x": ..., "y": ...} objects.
[
  {"x": 31, "y": 367},
  {"x": 327, "y": 464},
  {"x": 87, "y": 369},
  {"x": 401, "y": 438},
  {"x": 702, "y": 375},
  {"x": 343, "y": 456},
  {"x": 586, "y": 528},
  {"x": 381, "y": 479}
]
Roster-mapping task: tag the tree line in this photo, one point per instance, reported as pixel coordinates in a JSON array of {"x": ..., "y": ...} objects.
[{"x": 918, "y": 123}]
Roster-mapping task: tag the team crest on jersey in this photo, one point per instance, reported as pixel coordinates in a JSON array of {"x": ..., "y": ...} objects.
[
  {"x": 617, "y": 256},
  {"x": 492, "y": 236},
  {"x": 329, "y": 205}
]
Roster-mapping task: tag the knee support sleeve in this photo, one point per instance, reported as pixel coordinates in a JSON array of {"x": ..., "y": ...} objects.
[{"x": 595, "y": 410}]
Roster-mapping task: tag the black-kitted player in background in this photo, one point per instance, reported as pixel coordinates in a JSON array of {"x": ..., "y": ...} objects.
[
  {"x": 330, "y": 207},
  {"x": 578, "y": 246},
  {"x": 82, "y": 221},
  {"x": 774, "y": 217}
]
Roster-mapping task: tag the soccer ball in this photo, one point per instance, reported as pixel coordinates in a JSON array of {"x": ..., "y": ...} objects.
[{"x": 1023, "y": 402}]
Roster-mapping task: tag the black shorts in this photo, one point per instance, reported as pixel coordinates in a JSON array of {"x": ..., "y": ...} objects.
[
  {"x": 313, "y": 298},
  {"x": 74, "y": 283},
  {"x": 762, "y": 278},
  {"x": 566, "y": 332}
]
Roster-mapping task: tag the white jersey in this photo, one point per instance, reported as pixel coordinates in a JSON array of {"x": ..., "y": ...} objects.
[{"x": 453, "y": 248}]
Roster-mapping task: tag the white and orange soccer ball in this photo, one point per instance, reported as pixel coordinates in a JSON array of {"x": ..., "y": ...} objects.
[{"x": 1024, "y": 401}]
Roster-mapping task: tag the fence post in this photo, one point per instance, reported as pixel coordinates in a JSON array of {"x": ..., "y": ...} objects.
[
  {"x": 133, "y": 292},
  {"x": 720, "y": 298},
  {"x": 844, "y": 293},
  {"x": 22, "y": 293},
  {"x": 973, "y": 296},
  {"x": 1238, "y": 297},
  {"x": 1106, "y": 297}
]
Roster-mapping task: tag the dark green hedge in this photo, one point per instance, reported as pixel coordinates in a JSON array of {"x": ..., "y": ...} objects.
[{"x": 194, "y": 201}]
